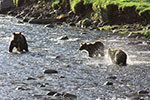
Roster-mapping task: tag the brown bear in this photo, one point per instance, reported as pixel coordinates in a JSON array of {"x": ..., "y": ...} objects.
[
  {"x": 93, "y": 48},
  {"x": 18, "y": 41},
  {"x": 117, "y": 56}
]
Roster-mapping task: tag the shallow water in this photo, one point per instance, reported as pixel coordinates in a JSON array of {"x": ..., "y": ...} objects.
[{"x": 77, "y": 73}]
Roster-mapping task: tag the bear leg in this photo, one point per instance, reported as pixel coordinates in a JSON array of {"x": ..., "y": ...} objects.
[{"x": 11, "y": 46}]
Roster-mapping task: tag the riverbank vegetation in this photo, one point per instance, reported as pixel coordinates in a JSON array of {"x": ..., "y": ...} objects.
[{"x": 121, "y": 16}]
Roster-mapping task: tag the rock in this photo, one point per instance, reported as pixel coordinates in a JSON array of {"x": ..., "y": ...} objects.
[
  {"x": 49, "y": 25},
  {"x": 31, "y": 78},
  {"x": 57, "y": 57},
  {"x": 108, "y": 83},
  {"x": 137, "y": 98},
  {"x": 86, "y": 24},
  {"x": 95, "y": 23},
  {"x": 83, "y": 33},
  {"x": 143, "y": 92},
  {"x": 21, "y": 22},
  {"x": 22, "y": 88},
  {"x": 68, "y": 95},
  {"x": 26, "y": 19},
  {"x": 64, "y": 38},
  {"x": 135, "y": 42},
  {"x": 62, "y": 76},
  {"x": 50, "y": 71},
  {"x": 53, "y": 93},
  {"x": 72, "y": 24},
  {"x": 135, "y": 35},
  {"x": 40, "y": 21},
  {"x": 44, "y": 85},
  {"x": 112, "y": 77},
  {"x": 6, "y": 5}
]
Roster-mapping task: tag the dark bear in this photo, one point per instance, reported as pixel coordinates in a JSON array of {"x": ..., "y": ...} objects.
[
  {"x": 18, "y": 41},
  {"x": 118, "y": 57},
  {"x": 93, "y": 48}
]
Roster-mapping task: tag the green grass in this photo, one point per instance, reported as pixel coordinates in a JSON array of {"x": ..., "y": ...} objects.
[
  {"x": 144, "y": 32},
  {"x": 15, "y": 2},
  {"x": 141, "y": 5}
]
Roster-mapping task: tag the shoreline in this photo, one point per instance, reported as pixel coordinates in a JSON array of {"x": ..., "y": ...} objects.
[{"x": 42, "y": 13}]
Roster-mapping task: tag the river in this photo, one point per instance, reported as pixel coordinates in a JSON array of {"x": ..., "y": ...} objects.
[{"x": 22, "y": 76}]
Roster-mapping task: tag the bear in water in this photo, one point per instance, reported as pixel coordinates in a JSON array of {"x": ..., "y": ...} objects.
[
  {"x": 93, "y": 48},
  {"x": 18, "y": 41},
  {"x": 118, "y": 57}
]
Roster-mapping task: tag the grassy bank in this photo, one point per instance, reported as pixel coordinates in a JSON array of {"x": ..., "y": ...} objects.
[{"x": 108, "y": 12}]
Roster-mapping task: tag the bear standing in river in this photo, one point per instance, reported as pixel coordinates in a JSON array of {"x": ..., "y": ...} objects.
[
  {"x": 93, "y": 48},
  {"x": 118, "y": 57},
  {"x": 18, "y": 41}
]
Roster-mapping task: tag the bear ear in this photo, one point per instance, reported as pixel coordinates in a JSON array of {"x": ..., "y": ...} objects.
[
  {"x": 82, "y": 43},
  {"x": 14, "y": 33},
  {"x": 19, "y": 33}
]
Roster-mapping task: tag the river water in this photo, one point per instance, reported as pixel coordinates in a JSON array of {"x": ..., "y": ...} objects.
[{"x": 22, "y": 76}]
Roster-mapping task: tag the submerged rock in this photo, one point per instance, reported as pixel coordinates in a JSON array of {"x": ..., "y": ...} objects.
[
  {"x": 31, "y": 78},
  {"x": 58, "y": 57},
  {"x": 112, "y": 77},
  {"x": 50, "y": 71}
]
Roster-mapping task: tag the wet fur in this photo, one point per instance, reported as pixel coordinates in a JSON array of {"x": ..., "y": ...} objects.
[
  {"x": 18, "y": 41},
  {"x": 93, "y": 48},
  {"x": 118, "y": 57}
]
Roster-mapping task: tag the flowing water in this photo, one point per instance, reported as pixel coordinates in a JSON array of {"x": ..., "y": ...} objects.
[{"x": 22, "y": 76}]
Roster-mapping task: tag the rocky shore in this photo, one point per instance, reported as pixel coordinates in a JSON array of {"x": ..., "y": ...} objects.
[{"x": 40, "y": 12}]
